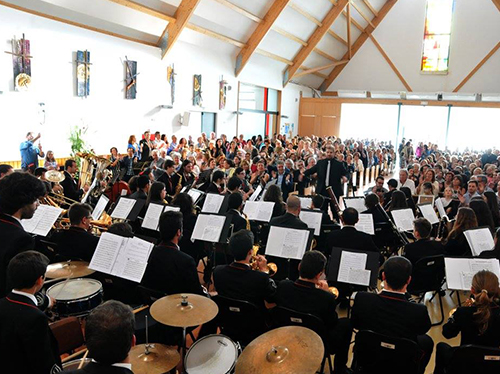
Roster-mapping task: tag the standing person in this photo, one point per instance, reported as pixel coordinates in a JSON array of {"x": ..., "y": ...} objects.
[
  {"x": 132, "y": 144},
  {"x": 50, "y": 161},
  {"x": 28, "y": 345},
  {"x": 146, "y": 146},
  {"x": 30, "y": 153},
  {"x": 114, "y": 157},
  {"x": 127, "y": 163}
]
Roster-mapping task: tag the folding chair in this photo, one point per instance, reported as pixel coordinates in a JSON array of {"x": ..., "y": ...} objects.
[{"x": 474, "y": 359}]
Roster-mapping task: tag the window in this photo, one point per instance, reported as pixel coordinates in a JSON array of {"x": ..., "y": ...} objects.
[
  {"x": 437, "y": 35},
  {"x": 424, "y": 124},
  {"x": 369, "y": 121},
  {"x": 258, "y": 110}
]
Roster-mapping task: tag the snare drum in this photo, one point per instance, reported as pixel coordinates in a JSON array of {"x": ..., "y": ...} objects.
[
  {"x": 214, "y": 354},
  {"x": 76, "y": 297},
  {"x": 73, "y": 365}
]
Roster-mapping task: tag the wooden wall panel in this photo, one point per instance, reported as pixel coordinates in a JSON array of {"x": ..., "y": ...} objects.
[{"x": 326, "y": 120}]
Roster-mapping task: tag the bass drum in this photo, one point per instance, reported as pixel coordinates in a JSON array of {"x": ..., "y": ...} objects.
[
  {"x": 76, "y": 297},
  {"x": 214, "y": 354}
]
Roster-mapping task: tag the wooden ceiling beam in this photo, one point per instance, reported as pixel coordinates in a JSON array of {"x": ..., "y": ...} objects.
[
  {"x": 259, "y": 34},
  {"x": 306, "y": 14},
  {"x": 303, "y": 67},
  {"x": 497, "y": 3},
  {"x": 365, "y": 17},
  {"x": 173, "y": 30},
  {"x": 239, "y": 10},
  {"x": 144, "y": 9},
  {"x": 319, "y": 68},
  {"x": 359, "y": 43},
  {"x": 344, "y": 13},
  {"x": 304, "y": 52},
  {"x": 349, "y": 43},
  {"x": 370, "y": 6}
]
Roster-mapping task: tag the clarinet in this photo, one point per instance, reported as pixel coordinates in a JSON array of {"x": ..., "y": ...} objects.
[{"x": 334, "y": 202}]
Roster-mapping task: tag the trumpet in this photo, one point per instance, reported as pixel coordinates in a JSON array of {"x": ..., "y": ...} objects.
[{"x": 271, "y": 267}]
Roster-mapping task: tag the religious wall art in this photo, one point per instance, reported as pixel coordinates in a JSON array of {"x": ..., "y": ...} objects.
[
  {"x": 171, "y": 81},
  {"x": 197, "y": 99},
  {"x": 130, "y": 79},
  {"x": 223, "y": 88},
  {"x": 83, "y": 73},
  {"x": 21, "y": 61}
]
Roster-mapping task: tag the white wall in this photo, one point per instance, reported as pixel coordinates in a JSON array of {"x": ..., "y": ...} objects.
[
  {"x": 290, "y": 99},
  {"x": 476, "y": 26},
  {"x": 109, "y": 117}
]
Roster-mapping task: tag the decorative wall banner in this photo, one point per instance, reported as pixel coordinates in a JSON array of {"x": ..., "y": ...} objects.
[
  {"x": 223, "y": 87},
  {"x": 197, "y": 99},
  {"x": 21, "y": 61},
  {"x": 130, "y": 79},
  {"x": 171, "y": 80},
  {"x": 83, "y": 73}
]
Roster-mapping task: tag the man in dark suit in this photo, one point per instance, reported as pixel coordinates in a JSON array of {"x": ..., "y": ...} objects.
[
  {"x": 390, "y": 313},
  {"x": 311, "y": 295},
  {"x": 317, "y": 203},
  {"x": 69, "y": 184},
  {"x": 143, "y": 185},
  {"x": 171, "y": 179},
  {"x": 423, "y": 246},
  {"x": 28, "y": 345},
  {"x": 169, "y": 270},
  {"x": 77, "y": 243},
  {"x": 283, "y": 178},
  {"x": 19, "y": 194},
  {"x": 109, "y": 333},
  {"x": 235, "y": 204}
]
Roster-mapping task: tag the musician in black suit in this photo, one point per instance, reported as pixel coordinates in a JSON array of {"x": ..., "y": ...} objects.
[
  {"x": 28, "y": 345},
  {"x": 478, "y": 324},
  {"x": 169, "y": 270},
  {"x": 77, "y": 243},
  {"x": 186, "y": 173},
  {"x": 235, "y": 204},
  {"x": 171, "y": 179},
  {"x": 372, "y": 204},
  {"x": 69, "y": 184},
  {"x": 390, "y": 313},
  {"x": 317, "y": 203},
  {"x": 217, "y": 184},
  {"x": 19, "y": 194},
  {"x": 109, "y": 334},
  {"x": 311, "y": 295},
  {"x": 238, "y": 280},
  {"x": 143, "y": 184},
  {"x": 423, "y": 246}
]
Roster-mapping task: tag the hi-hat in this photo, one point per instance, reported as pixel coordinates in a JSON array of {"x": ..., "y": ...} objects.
[
  {"x": 286, "y": 350},
  {"x": 70, "y": 269},
  {"x": 54, "y": 176},
  {"x": 155, "y": 359},
  {"x": 184, "y": 310}
]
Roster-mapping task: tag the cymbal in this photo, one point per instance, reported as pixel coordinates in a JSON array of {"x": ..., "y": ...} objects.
[
  {"x": 170, "y": 311},
  {"x": 54, "y": 176},
  {"x": 69, "y": 269},
  {"x": 286, "y": 350},
  {"x": 159, "y": 359}
]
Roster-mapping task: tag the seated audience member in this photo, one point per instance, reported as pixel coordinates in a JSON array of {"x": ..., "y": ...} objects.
[
  {"x": 19, "y": 194},
  {"x": 235, "y": 205},
  {"x": 404, "y": 181},
  {"x": 455, "y": 243},
  {"x": 372, "y": 203},
  {"x": 478, "y": 324},
  {"x": 143, "y": 185},
  {"x": 309, "y": 294},
  {"x": 471, "y": 192},
  {"x": 378, "y": 188},
  {"x": 28, "y": 345},
  {"x": 390, "y": 313},
  {"x": 423, "y": 246},
  {"x": 77, "y": 243},
  {"x": 291, "y": 217},
  {"x": 5, "y": 170},
  {"x": 217, "y": 185},
  {"x": 273, "y": 194},
  {"x": 109, "y": 333},
  {"x": 169, "y": 270},
  {"x": 317, "y": 203},
  {"x": 284, "y": 179},
  {"x": 238, "y": 280},
  {"x": 450, "y": 204}
]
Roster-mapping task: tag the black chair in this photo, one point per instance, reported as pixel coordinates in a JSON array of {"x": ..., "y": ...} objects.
[
  {"x": 428, "y": 276},
  {"x": 282, "y": 316},
  {"x": 474, "y": 359},
  {"x": 376, "y": 353},
  {"x": 241, "y": 320},
  {"x": 326, "y": 229}
]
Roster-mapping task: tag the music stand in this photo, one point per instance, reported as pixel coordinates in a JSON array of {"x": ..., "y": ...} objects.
[
  {"x": 223, "y": 206},
  {"x": 134, "y": 212},
  {"x": 372, "y": 264},
  {"x": 310, "y": 212}
]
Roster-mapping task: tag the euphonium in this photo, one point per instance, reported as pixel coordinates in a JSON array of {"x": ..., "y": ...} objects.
[{"x": 271, "y": 267}]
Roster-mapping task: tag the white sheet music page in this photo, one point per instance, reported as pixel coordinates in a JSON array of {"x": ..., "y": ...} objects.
[
  {"x": 106, "y": 252},
  {"x": 429, "y": 213},
  {"x": 123, "y": 208},
  {"x": 287, "y": 243},
  {"x": 212, "y": 203},
  {"x": 403, "y": 218},
  {"x": 460, "y": 271},
  {"x": 479, "y": 240},
  {"x": 132, "y": 259},
  {"x": 194, "y": 195},
  {"x": 440, "y": 207},
  {"x": 365, "y": 224},
  {"x": 256, "y": 193},
  {"x": 208, "y": 227},
  {"x": 305, "y": 202},
  {"x": 99, "y": 207},
  {"x": 259, "y": 210},
  {"x": 42, "y": 221},
  {"x": 357, "y": 203},
  {"x": 170, "y": 208},
  {"x": 356, "y": 261},
  {"x": 313, "y": 220},
  {"x": 152, "y": 217}
]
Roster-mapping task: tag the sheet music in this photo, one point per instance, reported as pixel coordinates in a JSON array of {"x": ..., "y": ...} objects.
[
  {"x": 259, "y": 210},
  {"x": 440, "y": 208},
  {"x": 170, "y": 208},
  {"x": 86, "y": 196},
  {"x": 356, "y": 261},
  {"x": 305, "y": 202},
  {"x": 152, "y": 217},
  {"x": 357, "y": 203},
  {"x": 99, "y": 207},
  {"x": 365, "y": 224},
  {"x": 361, "y": 277},
  {"x": 459, "y": 271},
  {"x": 106, "y": 252},
  {"x": 313, "y": 220},
  {"x": 403, "y": 218},
  {"x": 195, "y": 195},
  {"x": 212, "y": 203},
  {"x": 123, "y": 192},
  {"x": 42, "y": 221},
  {"x": 256, "y": 193},
  {"x": 429, "y": 214},
  {"x": 123, "y": 208},
  {"x": 287, "y": 243},
  {"x": 208, "y": 227},
  {"x": 479, "y": 240}
]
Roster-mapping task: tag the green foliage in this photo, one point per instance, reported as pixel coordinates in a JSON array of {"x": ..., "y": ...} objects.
[{"x": 78, "y": 144}]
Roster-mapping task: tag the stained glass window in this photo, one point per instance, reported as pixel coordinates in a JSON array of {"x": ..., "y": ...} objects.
[{"x": 436, "y": 51}]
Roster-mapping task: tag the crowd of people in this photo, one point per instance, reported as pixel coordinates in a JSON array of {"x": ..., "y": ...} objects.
[{"x": 158, "y": 171}]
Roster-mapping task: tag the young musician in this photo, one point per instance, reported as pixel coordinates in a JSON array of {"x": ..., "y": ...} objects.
[
  {"x": 235, "y": 206},
  {"x": 456, "y": 244},
  {"x": 5, "y": 170},
  {"x": 143, "y": 184},
  {"x": 317, "y": 203},
  {"x": 478, "y": 324},
  {"x": 309, "y": 294},
  {"x": 372, "y": 204},
  {"x": 423, "y": 246},
  {"x": 28, "y": 345},
  {"x": 291, "y": 218},
  {"x": 69, "y": 184},
  {"x": 109, "y": 334},
  {"x": 217, "y": 185},
  {"x": 171, "y": 179},
  {"x": 390, "y": 313},
  {"x": 186, "y": 172}
]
